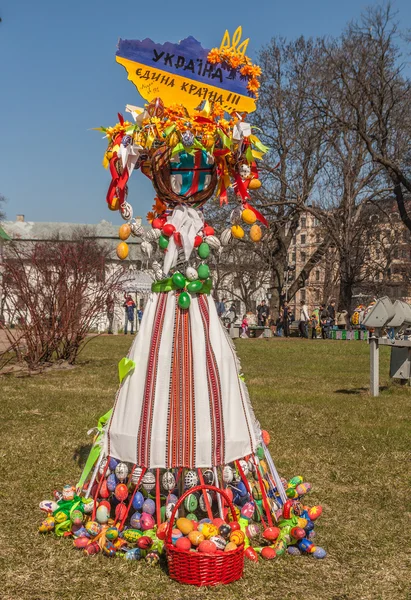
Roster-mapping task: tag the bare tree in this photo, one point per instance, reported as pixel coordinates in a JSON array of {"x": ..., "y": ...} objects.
[{"x": 57, "y": 289}]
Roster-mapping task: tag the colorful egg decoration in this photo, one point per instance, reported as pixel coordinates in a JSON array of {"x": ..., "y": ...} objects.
[
  {"x": 184, "y": 525},
  {"x": 191, "y": 503},
  {"x": 237, "y": 537},
  {"x": 303, "y": 488},
  {"x": 68, "y": 492},
  {"x": 225, "y": 530},
  {"x": 135, "y": 520},
  {"x": 251, "y": 554},
  {"x": 219, "y": 541},
  {"x": 214, "y": 242},
  {"x": 112, "y": 533},
  {"x": 121, "y": 471},
  {"x": 231, "y": 546},
  {"x": 145, "y": 542},
  {"x": 191, "y": 274},
  {"x": 256, "y": 233},
  {"x": 237, "y": 232},
  {"x": 48, "y": 506},
  {"x": 183, "y": 543},
  {"x": 109, "y": 550},
  {"x": 203, "y": 250},
  {"x": 168, "y": 229},
  {"x": 248, "y": 216},
  {"x": 152, "y": 559},
  {"x": 207, "y": 547},
  {"x": 168, "y": 481},
  {"x": 136, "y": 474},
  {"x": 226, "y": 237},
  {"x": 133, "y": 554},
  {"x": 81, "y": 542},
  {"x": 271, "y": 533},
  {"x": 102, "y": 514},
  {"x": 247, "y": 511},
  {"x": 88, "y": 505},
  {"x": 149, "y": 481},
  {"x": 47, "y": 525},
  {"x": 203, "y": 271},
  {"x": 195, "y": 537},
  {"x": 314, "y": 512},
  {"x": 202, "y": 501},
  {"x": 190, "y": 479},
  {"x": 319, "y": 552},
  {"x": 268, "y": 553},
  {"x": 122, "y": 250},
  {"x": 121, "y": 492},
  {"x": 76, "y": 517},
  {"x": 184, "y": 300},
  {"x": 254, "y": 184},
  {"x": 178, "y": 280},
  {"x": 131, "y": 535},
  {"x": 138, "y": 501},
  {"x": 227, "y": 474},
  {"x": 147, "y": 522},
  {"x": 124, "y": 231},
  {"x": 149, "y": 506},
  {"x": 252, "y": 530}
]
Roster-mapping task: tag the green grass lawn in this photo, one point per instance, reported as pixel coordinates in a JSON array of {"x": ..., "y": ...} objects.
[{"x": 310, "y": 395}]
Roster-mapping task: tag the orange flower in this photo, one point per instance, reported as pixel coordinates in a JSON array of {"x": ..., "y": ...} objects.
[
  {"x": 159, "y": 205},
  {"x": 214, "y": 56},
  {"x": 253, "y": 85},
  {"x": 150, "y": 217},
  {"x": 255, "y": 71},
  {"x": 235, "y": 62}
]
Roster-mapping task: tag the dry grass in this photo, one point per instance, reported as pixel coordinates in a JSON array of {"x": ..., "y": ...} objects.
[{"x": 311, "y": 396}]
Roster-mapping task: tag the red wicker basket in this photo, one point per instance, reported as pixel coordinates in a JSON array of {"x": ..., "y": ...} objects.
[{"x": 199, "y": 568}]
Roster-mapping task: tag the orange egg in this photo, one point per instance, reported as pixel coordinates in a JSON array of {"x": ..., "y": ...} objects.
[
  {"x": 256, "y": 233},
  {"x": 122, "y": 250},
  {"x": 114, "y": 204},
  {"x": 237, "y": 537},
  {"x": 185, "y": 525},
  {"x": 124, "y": 231},
  {"x": 248, "y": 216},
  {"x": 230, "y": 546},
  {"x": 237, "y": 232},
  {"x": 195, "y": 537},
  {"x": 254, "y": 184}
]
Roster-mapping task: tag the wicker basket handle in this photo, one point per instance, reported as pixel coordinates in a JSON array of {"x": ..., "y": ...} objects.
[{"x": 198, "y": 488}]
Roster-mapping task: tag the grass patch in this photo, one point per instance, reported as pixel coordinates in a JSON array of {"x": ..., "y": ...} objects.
[{"x": 311, "y": 396}]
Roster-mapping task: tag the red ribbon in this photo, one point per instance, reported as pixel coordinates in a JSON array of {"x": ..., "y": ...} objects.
[{"x": 257, "y": 213}]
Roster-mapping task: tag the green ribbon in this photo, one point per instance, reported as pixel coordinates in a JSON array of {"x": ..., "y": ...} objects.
[
  {"x": 124, "y": 367},
  {"x": 167, "y": 285},
  {"x": 95, "y": 450}
]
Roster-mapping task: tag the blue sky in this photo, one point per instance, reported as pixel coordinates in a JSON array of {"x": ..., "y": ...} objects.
[{"x": 59, "y": 78}]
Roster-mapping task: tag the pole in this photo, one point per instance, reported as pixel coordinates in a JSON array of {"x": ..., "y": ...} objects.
[{"x": 374, "y": 365}]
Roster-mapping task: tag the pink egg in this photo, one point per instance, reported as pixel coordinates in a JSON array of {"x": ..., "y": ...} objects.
[
  {"x": 248, "y": 510},
  {"x": 147, "y": 522}
]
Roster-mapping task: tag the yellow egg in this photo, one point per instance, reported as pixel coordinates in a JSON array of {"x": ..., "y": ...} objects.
[
  {"x": 230, "y": 546},
  {"x": 185, "y": 525},
  {"x": 115, "y": 204},
  {"x": 248, "y": 216},
  {"x": 124, "y": 231},
  {"x": 237, "y": 231},
  {"x": 256, "y": 233},
  {"x": 254, "y": 184},
  {"x": 122, "y": 250}
]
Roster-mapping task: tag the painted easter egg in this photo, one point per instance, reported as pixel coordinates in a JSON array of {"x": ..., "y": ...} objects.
[
  {"x": 252, "y": 530},
  {"x": 138, "y": 501},
  {"x": 293, "y": 550},
  {"x": 194, "y": 287},
  {"x": 237, "y": 232},
  {"x": 146, "y": 521},
  {"x": 162, "y": 531},
  {"x": 122, "y": 250},
  {"x": 175, "y": 535},
  {"x": 191, "y": 274},
  {"x": 226, "y": 237},
  {"x": 251, "y": 554},
  {"x": 102, "y": 514},
  {"x": 291, "y": 493},
  {"x": 131, "y": 535},
  {"x": 294, "y": 481},
  {"x": 254, "y": 184},
  {"x": 208, "y": 477},
  {"x": 287, "y": 509},
  {"x": 124, "y": 231},
  {"x": 163, "y": 242},
  {"x": 47, "y": 525},
  {"x": 91, "y": 548},
  {"x": 190, "y": 479},
  {"x": 133, "y": 554},
  {"x": 68, "y": 492},
  {"x": 230, "y": 546},
  {"x": 247, "y": 511},
  {"x": 203, "y": 271},
  {"x": 121, "y": 471},
  {"x": 149, "y": 506},
  {"x": 297, "y": 533},
  {"x": 61, "y": 516},
  {"x": 168, "y": 481},
  {"x": 196, "y": 537},
  {"x": 145, "y": 542},
  {"x": 248, "y": 216},
  {"x": 88, "y": 505},
  {"x": 214, "y": 242},
  {"x": 169, "y": 509},
  {"x": 81, "y": 542},
  {"x": 304, "y": 545},
  {"x": 135, "y": 476},
  {"x": 319, "y": 552},
  {"x": 111, "y": 482},
  {"x": 184, "y": 525},
  {"x": 157, "y": 223},
  {"x": 202, "y": 501},
  {"x": 309, "y": 527},
  {"x": 235, "y": 526},
  {"x": 112, "y": 533},
  {"x": 184, "y": 300},
  {"x": 225, "y": 530},
  {"x": 235, "y": 216},
  {"x": 203, "y": 250},
  {"x": 126, "y": 211},
  {"x": 152, "y": 559},
  {"x": 219, "y": 541},
  {"x": 208, "y": 230},
  {"x": 109, "y": 550},
  {"x": 271, "y": 533},
  {"x": 121, "y": 492},
  {"x": 303, "y": 488},
  {"x": 179, "y": 280},
  {"x": 268, "y": 553},
  {"x": 197, "y": 241},
  {"x": 93, "y": 528},
  {"x": 193, "y": 518},
  {"x": 227, "y": 474},
  {"x": 76, "y": 517},
  {"x": 168, "y": 229},
  {"x": 237, "y": 537},
  {"x": 209, "y": 530},
  {"x": 314, "y": 512},
  {"x": 48, "y": 506},
  {"x": 135, "y": 520},
  {"x": 207, "y": 547},
  {"x": 149, "y": 481},
  {"x": 191, "y": 503},
  {"x": 183, "y": 543}
]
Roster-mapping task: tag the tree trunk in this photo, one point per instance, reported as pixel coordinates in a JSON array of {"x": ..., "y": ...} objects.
[{"x": 345, "y": 301}]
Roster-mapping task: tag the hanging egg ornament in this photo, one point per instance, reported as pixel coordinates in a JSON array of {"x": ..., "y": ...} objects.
[
  {"x": 197, "y": 241},
  {"x": 114, "y": 203},
  {"x": 163, "y": 242},
  {"x": 135, "y": 476},
  {"x": 203, "y": 250},
  {"x": 126, "y": 211},
  {"x": 203, "y": 271},
  {"x": 226, "y": 237},
  {"x": 153, "y": 235},
  {"x": 254, "y": 184},
  {"x": 136, "y": 230},
  {"x": 208, "y": 230},
  {"x": 191, "y": 274},
  {"x": 168, "y": 481},
  {"x": 187, "y": 137},
  {"x": 184, "y": 300},
  {"x": 237, "y": 231},
  {"x": 194, "y": 287},
  {"x": 248, "y": 216},
  {"x": 124, "y": 231},
  {"x": 179, "y": 280},
  {"x": 138, "y": 501},
  {"x": 256, "y": 233},
  {"x": 122, "y": 250},
  {"x": 149, "y": 481},
  {"x": 190, "y": 479},
  {"x": 168, "y": 229},
  {"x": 121, "y": 471},
  {"x": 213, "y": 242}
]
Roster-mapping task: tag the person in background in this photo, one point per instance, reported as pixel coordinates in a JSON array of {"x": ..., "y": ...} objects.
[
  {"x": 110, "y": 313},
  {"x": 331, "y": 313},
  {"x": 129, "y": 306},
  {"x": 286, "y": 319},
  {"x": 279, "y": 323},
  {"x": 139, "y": 317},
  {"x": 324, "y": 321},
  {"x": 304, "y": 318},
  {"x": 220, "y": 306},
  {"x": 315, "y": 317},
  {"x": 262, "y": 313},
  {"x": 342, "y": 319},
  {"x": 244, "y": 327}
]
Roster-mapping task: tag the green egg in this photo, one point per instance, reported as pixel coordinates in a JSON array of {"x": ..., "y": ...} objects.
[
  {"x": 184, "y": 300},
  {"x": 191, "y": 503},
  {"x": 194, "y": 286},
  {"x": 179, "y": 280},
  {"x": 163, "y": 242},
  {"x": 191, "y": 517},
  {"x": 203, "y": 250},
  {"x": 203, "y": 271}
]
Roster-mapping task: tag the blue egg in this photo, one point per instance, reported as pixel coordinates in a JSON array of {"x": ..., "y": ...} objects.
[
  {"x": 304, "y": 545},
  {"x": 149, "y": 506},
  {"x": 138, "y": 501},
  {"x": 241, "y": 489},
  {"x": 133, "y": 554},
  {"x": 112, "y": 464},
  {"x": 171, "y": 499},
  {"x": 309, "y": 527},
  {"x": 135, "y": 520},
  {"x": 293, "y": 550},
  {"x": 311, "y": 534},
  {"x": 319, "y": 552},
  {"x": 112, "y": 482}
]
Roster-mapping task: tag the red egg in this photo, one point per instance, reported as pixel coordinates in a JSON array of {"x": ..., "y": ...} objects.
[
  {"x": 162, "y": 531},
  {"x": 234, "y": 525},
  {"x": 268, "y": 553},
  {"x": 121, "y": 511},
  {"x": 177, "y": 238},
  {"x": 229, "y": 493},
  {"x": 207, "y": 547},
  {"x": 145, "y": 542},
  {"x": 297, "y": 533},
  {"x": 314, "y": 512},
  {"x": 208, "y": 230},
  {"x": 106, "y": 504},
  {"x": 168, "y": 229},
  {"x": 217, "y": 522},
  {"x": 197, "y": 241},
  {"x": 158, "y": 223},
  {"x": 183, "y": 543},
  {"x": 81, "y": 542},
  {"x": 271, "y": 533},
  {"x": 251, "y": 554},
  {"x": 104, "y": 492},
  {"x": 287, "y": 509},
  {"x": 121, "y": 492}
]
